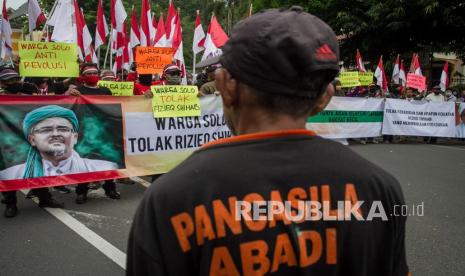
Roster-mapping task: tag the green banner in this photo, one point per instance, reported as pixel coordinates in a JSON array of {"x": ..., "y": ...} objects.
[
  {"x": 175, "y": 101},
  {"x": 48, "y": 59},
  {"x": 349, "y": 79},
  {"x": 347, "y": 116},
  {"x": 119, "y": 88},
  {"x": 366, "y": 78}
]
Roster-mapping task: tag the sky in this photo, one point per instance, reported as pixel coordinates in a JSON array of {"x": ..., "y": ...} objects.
[{"x": 13, "y": 3}]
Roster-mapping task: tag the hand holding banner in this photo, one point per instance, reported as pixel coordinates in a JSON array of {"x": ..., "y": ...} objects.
[
  {"x": 151, "y": 60},
  {"x": 119, "y": 88},
  {"x": 175, "y": 101},
  {"x": 48, "y": 59},
  {"x": 416, "y": 81}
]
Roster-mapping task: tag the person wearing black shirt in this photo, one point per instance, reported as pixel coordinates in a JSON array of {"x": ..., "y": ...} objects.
[
  {"x": 11, "y": 83},
  {"x": 211, "y": 215},
  {"x": 89, "y": 79}
]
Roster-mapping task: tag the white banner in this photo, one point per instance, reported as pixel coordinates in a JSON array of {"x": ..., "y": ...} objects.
[
  {"x": 349, "y": 118},
  {"x": 419, "y": 118}
]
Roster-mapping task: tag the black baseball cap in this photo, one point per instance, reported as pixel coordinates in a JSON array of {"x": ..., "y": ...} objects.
[
  {"x": 277, "y": 51},
  {"x": 9, "y": 74}
]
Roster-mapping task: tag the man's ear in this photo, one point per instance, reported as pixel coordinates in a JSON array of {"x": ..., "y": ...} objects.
[
  {"x": 30, "y": 138},
  {"x": 324, "y": 100},
  {"x": 227, "y": 86}
]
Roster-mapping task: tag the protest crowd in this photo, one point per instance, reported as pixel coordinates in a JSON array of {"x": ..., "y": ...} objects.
[{"x": 134, "y": 73}]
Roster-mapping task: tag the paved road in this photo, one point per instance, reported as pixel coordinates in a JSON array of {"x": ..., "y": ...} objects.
[{"x": 39, "y": 243}]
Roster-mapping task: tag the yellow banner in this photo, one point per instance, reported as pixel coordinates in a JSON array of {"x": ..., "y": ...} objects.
[
  {"x": 366, "y": 78},
  {"x": 119, "y": 88},
  {"x": 175, "y": 101},
  {"x": 349, "y": 79},
  {"x": 48, "y": 59}
]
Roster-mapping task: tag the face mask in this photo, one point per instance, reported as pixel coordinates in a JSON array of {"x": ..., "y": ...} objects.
[
  {"x": 91, "y": 80},
  {"x": 14, "y": 87},
  {"x": 436, "y": 92},
  {"x": 173, "y": 80}
]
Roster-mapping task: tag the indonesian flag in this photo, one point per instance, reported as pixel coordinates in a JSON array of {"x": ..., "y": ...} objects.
[
  {"x": 416, "y": 66},
  {"x": 160, "y": 37},
  {"x": 64, "y": 22},
  {"x": 118, "y": 20},
  {"x": 444, "y": 77},
  {"x": 35, "y": 14},
  {"x": 199, "y": 36},
  {"x": 6, "y": 33},
  {"x": 154, "y": 26},
  {"x": 135, "y": 33},
  {"x": 101, "y": 30},
  {"x": 402, "y": 76},
  {"x": 170, "y": 24},
  {"x": 215, "y": 39},
  {"x": 146, "y": 26},
  {"x": 122, "y": 51},
  {"x": 86, "y": 50},
  {"x": 178, "y": 50},
  {"x": 380, "y": 75},
  {"x": 395, "y": 71},
  {"x": 359, "y": 62}
]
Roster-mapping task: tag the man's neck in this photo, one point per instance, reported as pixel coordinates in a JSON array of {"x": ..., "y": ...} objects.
[{"x": 258, "y": 120}]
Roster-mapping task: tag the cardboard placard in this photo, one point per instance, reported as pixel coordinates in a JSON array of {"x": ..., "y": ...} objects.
[
  {"x": 175, "y": 101},
  {"x": 151, "y": 60}
]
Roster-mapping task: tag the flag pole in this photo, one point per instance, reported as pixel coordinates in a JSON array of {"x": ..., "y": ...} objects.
[{"x": 108, "y": 49}]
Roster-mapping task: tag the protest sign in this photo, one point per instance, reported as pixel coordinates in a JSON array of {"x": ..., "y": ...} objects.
[
  {"x": 366, "y": 78},
  {"x": 48, "y": 59},
  {"x": 349, "y": 118},
  {"x": 416, "y": 82},
  {"x": 349, "y": 79},
  {"x": 419, "y": 118},
  {"x": 175, "y": 101},
  {"x": 119, "y": 88},
  {"x": 115, "y": 137},
  {"x": 151, "y": 60}
]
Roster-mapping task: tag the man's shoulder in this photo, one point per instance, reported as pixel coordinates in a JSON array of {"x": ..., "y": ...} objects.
[{"x": 14, "y": 172}]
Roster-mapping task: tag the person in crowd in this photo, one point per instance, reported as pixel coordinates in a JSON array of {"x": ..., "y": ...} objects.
[
  {"x": 171, "y": 75},
  {"x": 9, "y": 79},
  {"x": 461, "y": 96},
  {"x": 434, "y": 96},
  {"x": 337, "y": 86},
  {"x": 48, "y": 86},
  {"x": 107, "y": 75},
  {"x": 449, "y": 96},
  {"x": 209, "y": 87},
  {"x": 89, "y": 86},
  {"x": 198, "y": 218},
  {"x": 143, "y": 83},
  {"x": 11, "y": 83},
  {"x": 201, "y": 79}
]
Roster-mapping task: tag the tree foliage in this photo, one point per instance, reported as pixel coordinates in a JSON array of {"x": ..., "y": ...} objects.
[{"x": 387, "y": 28}]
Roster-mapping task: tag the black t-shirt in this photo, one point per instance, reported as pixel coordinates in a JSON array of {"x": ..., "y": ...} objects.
[
  {"x": 94, "y": 91},
  {"x": 186, "y": 223}
]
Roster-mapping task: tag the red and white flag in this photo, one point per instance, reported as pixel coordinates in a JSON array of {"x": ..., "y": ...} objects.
[
  {"x": 135, "y": 33},
  {"x": 178, "y": 50},
  {"x": 35, "y": 15},
  {"x": 6, "y": 33},
  {"x": 84, "y": 39},
  {"x": 199, "y": 36},
  {"x": 380, "y": 75},
  {"x": 416, "y": 66},
  {"x": 160, "y": 37},
  {"x": 170, "y": 24},
  {"x": 395, "y": 71},
  {"x": 215, "y": 39},
  {"x": 359, "y": 62},
  {"x": 118, "y": 36},
  {"x": 146, "y": 26},
  {"x": 402, "y": 75},
  {"x": 154, "y": 26},
  {"x": 444, "y": 84},
  {"x": 101, "y": 30}
]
